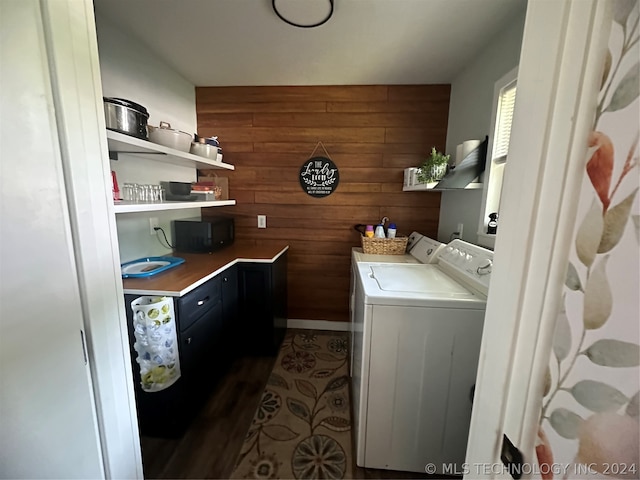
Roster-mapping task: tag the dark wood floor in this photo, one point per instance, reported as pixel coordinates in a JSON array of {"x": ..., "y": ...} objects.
[{"x": 211, "y": 445}]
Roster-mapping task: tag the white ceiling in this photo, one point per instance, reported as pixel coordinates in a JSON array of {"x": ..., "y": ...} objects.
[{"x": 366, "y": 42}]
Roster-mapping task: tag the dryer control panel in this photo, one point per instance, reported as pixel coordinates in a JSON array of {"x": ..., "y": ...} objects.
[
  {"x": 468, "y": 263},
  {"x": 426, "y": 250}
]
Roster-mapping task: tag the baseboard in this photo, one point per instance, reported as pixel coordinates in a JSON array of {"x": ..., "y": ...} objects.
[{"x": 318, "y": 325}]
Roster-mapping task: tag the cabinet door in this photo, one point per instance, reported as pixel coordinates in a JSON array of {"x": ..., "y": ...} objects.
[
  {"x": 279, "y": 292},
  {"x": 255, "y": 308},
  {"x": 262, "y": 299},
  {"x": 198, "y": 352},
  {"x": 167, "y": 413},
  {"x": 230, "y": 298},
  {"x": 159, "y": 413}
]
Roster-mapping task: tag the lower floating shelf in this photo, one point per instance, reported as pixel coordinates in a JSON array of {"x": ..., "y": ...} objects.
[
  {"x": 430, "y": 186},
  {"x": 129, "y": 207}
]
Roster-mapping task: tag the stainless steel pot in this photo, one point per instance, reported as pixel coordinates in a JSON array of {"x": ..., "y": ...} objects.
[
  {"x": 203, "y": 149},
  {"x": 126, "y": 117}
]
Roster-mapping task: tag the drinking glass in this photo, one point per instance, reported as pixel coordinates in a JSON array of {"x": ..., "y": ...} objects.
[
  {"x": 137, "y": 193},
  {"x": 127, "y": 192}
]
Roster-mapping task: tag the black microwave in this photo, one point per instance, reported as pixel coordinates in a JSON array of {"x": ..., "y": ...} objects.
[{"x": 206, "y": 235}]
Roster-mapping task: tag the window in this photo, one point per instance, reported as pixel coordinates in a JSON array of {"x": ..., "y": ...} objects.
[
  {"x": 504, "y": 100},
  {"x": 506, "y": 105}
]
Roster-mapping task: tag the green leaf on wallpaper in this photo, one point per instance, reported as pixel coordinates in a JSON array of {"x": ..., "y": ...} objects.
[
  {"x": 598, "y": 300},
  {"x": 589, "y": 234},
  {"x": 598, "y": 396},
  {"x": 562, "y": 335},
  {"x": 622, "y": 9},
  {"x": 614, "y": 222},
  {"x": 627, "y": 90},
  {"x": 633, "y": 407},
  {"x": 636, "y": 223},
  {"x": 608, "y": 352},
  {"x": 566, "y": 423},
  {"x": 572, "y": 281}
]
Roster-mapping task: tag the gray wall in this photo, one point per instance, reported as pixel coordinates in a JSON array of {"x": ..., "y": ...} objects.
[
  {"x": 470, "y": 118},
  {"x": 130, "y": 70}
]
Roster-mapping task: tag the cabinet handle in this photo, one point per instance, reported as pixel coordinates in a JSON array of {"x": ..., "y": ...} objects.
[
  {"x": 188, "y": 340},
  {"x": 225, "y": 279},
  {"x": 203, "y": 301}
]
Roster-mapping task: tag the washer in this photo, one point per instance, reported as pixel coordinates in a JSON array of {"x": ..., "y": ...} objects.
[
  {"x": 420, "y": 249},
  {"x": 417, "y": 330}
]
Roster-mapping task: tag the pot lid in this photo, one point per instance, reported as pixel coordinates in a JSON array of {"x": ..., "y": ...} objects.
[
  {"x": 127, "y": 103},
  {"x": 167, "y": 126}
]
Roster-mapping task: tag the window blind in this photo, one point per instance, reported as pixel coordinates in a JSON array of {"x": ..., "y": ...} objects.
[{"x": 503, "y": 127}]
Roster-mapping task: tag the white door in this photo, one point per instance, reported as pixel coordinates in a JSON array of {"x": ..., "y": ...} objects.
[
  {"x": 561, "y": 71},
  {"x": 66, "y": 403},
  {"x": 47, "y": 413}
]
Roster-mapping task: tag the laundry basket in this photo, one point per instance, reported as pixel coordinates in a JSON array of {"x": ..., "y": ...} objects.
[{"x": 384, "y": 246}]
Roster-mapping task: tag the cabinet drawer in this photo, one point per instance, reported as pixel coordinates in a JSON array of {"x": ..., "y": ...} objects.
[{"x": 198, "y": 302}]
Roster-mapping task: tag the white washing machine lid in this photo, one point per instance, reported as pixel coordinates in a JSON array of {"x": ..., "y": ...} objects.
[
  {"x": 417, "y": 279},
  {"x": 414, "y": 285}
]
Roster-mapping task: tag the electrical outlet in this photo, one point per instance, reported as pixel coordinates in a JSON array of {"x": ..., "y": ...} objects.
[
  {"x": 153, "y": 224},
  {"x": 262, "y": 221}
]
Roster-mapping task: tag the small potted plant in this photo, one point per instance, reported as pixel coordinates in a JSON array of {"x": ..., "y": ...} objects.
[{"x": 434, "y": 167}]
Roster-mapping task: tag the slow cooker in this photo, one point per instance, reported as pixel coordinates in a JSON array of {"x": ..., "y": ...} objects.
[{"x": 126, "y": 117}]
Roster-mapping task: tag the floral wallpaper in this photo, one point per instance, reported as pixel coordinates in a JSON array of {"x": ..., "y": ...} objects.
[{"x": 589, "y": 423}]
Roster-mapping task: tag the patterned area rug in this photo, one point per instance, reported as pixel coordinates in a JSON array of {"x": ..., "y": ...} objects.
[{"x": 302, "y": 427}]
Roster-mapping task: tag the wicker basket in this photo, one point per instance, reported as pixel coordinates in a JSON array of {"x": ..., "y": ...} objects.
[{"x": 384, "y": 246}]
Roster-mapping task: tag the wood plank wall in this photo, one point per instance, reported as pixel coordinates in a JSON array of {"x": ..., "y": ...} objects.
[{"x": 372, "y": 133}]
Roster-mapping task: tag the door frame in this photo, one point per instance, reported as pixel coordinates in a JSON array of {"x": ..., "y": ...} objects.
[
  {"x": 71, "y": 42},
  {"x": 559, "y": 74}
]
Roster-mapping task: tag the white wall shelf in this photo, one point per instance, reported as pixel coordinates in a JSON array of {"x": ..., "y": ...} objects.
[
  {"x": 487, "y": 240},
  {"x": 120, "y": 143},
  {"x": 430, "y": 186},
  {"x": 128, "y": 207}
]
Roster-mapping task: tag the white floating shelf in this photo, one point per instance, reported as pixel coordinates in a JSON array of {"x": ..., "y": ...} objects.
[
  {"x": 121, "y": 143},
  {"x": 127, "y": 207},
  {"x": 430, "y": 186}
]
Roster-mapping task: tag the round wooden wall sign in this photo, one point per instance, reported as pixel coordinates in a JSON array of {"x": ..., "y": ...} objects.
[{"x": 319, "y": 177}]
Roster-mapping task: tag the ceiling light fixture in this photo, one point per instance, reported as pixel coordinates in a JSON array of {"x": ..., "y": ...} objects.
[{"x": 313, "y": 25}]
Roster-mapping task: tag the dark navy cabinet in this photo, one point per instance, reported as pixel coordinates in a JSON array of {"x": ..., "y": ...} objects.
[
  {"x": 242, "y": 310},
  {"x": 200, "y": 331},
  {"x": 231, "y": 336},
  {"x": 262, "y": 304}
]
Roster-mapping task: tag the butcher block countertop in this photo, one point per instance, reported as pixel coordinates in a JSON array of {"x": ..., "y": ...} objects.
[{"x": 198, "y": 268}]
